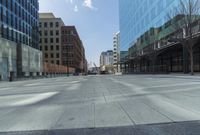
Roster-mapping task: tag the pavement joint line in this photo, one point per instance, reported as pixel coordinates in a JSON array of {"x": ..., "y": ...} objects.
[
  {"x": 127, "y": 114},
  {"x": 182, "y": 106},
  {"x": 158, "y": 111},
  {"x": 105, "y": 98},
  {"x": 134, "y": 123},
  {"x": 57, "y": 121},
  {"x": 94, "y": 115}
]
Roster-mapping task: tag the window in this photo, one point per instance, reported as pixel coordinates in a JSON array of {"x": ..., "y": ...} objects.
[
  {"x": 52, "y": 48},
  {"x": 41, "y": 48},
  {"x": 40, "y": 32},
  {"x": 52, "y": 56},
  {"x": 51, "y": 32},
  {"x": 46, "y": 33},
  {"x": 57, "y": 47},
  {"x": 57, "y": 32},
  {"x": 46, "y": 48},
  {"x": 58, "y": 62},
  {"x": 52, "y": 62},
  {"x": 51, "y": 24},
  {"x": 46, "y": 55},
  {"x": 57, "y": 24},
  {"x": 57, "y": 55},
  {"x": 40, "y": 40},
  {"x": 45, "y": 25},
  {"x": 51, "y": 40},
  {"x": 40, "y": 24},
  {"x": 57, "y": 40},
  {"x": 46, "y": 40}
]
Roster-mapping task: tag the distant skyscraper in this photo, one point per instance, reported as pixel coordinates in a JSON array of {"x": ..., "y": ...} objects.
[
  {"x": 116, "y": 47},
  {"x": 116, "y": 52},
  {"x": 106, "y": 58},
  {"x": 138, "y": 16}
]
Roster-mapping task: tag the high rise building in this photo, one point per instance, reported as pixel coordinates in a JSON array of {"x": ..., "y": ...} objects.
[
  {"x": 106, "y": 61},
  {"x": 50, "y": 37},
  {"x": 19, "y": 54},
  {"x": 106, "y": 58},
  {"x": 138, "y": 16},
  {"x": 73, "y": 51},
  {"x": 116, "y": 49},
  {"x": 116, "y": 52}
]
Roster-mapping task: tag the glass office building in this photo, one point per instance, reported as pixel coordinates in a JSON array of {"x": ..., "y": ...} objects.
[
  {"x": 19, "y": 39},
  {"x": 138, "y": 16},
  {"x": 19, "y": 21}
]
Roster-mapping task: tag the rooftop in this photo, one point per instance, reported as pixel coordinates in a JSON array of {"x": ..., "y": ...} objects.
[{"x": 46, "y": 15}]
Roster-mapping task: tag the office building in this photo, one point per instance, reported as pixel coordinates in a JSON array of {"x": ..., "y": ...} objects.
[
  {"x": 107, "y": 61},
  {"x": 19, "y": 54},
  {"x": 106, "y": 58},
  {"x": 138, "y": 16},
  {"x": 73, "y": 51},
  {"x": 146, "y": 32},
  {"x": 116, "y": 52},
  {"x": 50, "y": 38}
]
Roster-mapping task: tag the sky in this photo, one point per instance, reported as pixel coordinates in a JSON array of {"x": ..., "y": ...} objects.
[{"x": 96, "y": 22}]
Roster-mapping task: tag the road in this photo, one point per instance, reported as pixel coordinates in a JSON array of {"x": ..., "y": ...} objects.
[{"x": 143, "y": 104}]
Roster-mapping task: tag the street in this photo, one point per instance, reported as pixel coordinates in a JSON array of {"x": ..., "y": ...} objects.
[{"x": 96, "y": 102}]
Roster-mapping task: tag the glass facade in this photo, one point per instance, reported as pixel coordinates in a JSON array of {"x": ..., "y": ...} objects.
[
  {"x": 19, "y": 21},
  {"x": 138, "y": 16}
]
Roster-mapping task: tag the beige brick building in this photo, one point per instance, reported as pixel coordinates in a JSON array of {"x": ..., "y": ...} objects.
[{"x": 50, "y": 38}]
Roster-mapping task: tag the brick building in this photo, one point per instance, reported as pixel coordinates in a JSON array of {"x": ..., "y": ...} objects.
[{"x": 73, "y": 52}]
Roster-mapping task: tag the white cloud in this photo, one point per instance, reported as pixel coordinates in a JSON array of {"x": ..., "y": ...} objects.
[
  {"x": 89, "y": 4},
  {"x": 76, "y": 8}
]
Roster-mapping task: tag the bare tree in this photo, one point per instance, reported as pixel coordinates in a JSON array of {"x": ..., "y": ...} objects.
[{"x": 183, "y": 20}]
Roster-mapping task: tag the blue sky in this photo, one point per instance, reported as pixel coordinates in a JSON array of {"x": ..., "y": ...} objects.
[{"x": 95, "y": 20}]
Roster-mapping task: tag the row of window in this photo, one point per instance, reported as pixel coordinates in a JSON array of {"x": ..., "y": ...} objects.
[
  {"x": 51, "y": 40},
  {"x": 53, "y": 62},
  {"x": 19, "y": 21},
  {"x": 68, "y": 32},
  {"x": 51, "y": 33},
  {"x": 16, "y": 36},
  {"x": 13, "y": 20},
  {"x": 64, "y": 55},
  {"x": 46, "y": 48},
  {"x": 67, "y": 39},
  {"x": 51, "y": 55},
  {"x": 20, "y": 9},
  {"x": 69, "y": 63},
  {"x": 49, "y": 24}
]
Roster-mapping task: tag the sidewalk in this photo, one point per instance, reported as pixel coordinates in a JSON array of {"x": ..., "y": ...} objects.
[{"x": 181, "y": 75}]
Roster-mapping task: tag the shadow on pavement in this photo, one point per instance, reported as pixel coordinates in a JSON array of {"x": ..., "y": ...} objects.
[{"x": 179, "y": 128}]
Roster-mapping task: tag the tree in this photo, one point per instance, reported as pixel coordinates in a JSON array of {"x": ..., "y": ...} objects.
[{"x": 182, "y": 20}]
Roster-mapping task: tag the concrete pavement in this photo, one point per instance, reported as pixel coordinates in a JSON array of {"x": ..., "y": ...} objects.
[{"x": 96, "y": 104}]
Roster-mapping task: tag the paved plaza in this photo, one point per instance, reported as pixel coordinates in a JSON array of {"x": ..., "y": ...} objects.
[{"x": 132, "y": 104}]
